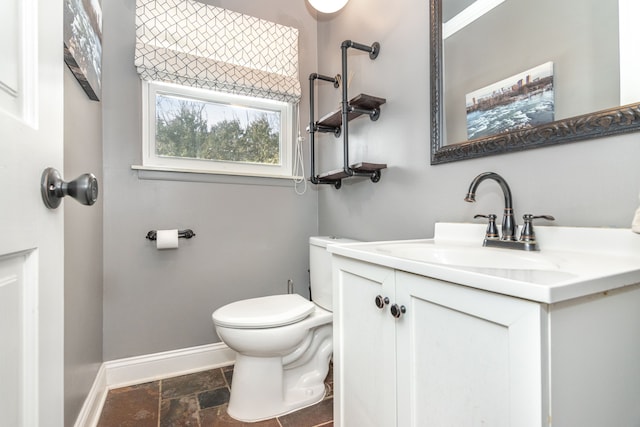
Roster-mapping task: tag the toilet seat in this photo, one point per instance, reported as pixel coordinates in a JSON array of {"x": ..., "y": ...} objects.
[{"x": 264, "y": 312}]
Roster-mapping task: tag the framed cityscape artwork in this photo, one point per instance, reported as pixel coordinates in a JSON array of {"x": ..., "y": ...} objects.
[{"x": 522, "y": 101}]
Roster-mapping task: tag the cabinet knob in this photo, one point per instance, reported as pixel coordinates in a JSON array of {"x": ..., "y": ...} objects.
[
  {"x": 398, "y": 310},
  {"x": 381, "y": 301}
]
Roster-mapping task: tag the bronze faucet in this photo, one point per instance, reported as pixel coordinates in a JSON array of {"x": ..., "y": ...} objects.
[{"x": 508, "y": 239}]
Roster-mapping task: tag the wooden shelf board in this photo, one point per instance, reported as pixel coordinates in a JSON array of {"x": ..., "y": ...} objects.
[
  {"x": 367, "y": 102},
  {"x": 363, "y": 101},
  {"x": 368, "y": 167},
  {"x": 358, "y": 167},
  {"x": 333, "y": 175},
  {"x": 333, "y": 119}
]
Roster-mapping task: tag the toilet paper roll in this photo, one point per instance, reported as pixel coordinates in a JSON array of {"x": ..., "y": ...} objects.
[{"x": 167, "y": 239}]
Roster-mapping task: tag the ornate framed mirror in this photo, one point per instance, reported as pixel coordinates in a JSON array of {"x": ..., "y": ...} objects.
[{"x": 472, "y": 62}]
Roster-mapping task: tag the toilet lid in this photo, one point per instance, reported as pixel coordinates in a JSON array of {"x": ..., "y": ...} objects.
[{"x": 264, "y": 312}]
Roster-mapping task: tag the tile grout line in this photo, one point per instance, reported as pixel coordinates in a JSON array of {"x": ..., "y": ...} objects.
[
  {"x": 225, "y": 379},
  {"x": 199, "y": 408},
  {"x": 198, "y": 399},
  {"x": 159, "y": 401},
  {"x": 195, "y": 394}
]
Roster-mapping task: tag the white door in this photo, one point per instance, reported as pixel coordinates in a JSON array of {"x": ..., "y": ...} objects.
[{"x": 31, "y": 236}]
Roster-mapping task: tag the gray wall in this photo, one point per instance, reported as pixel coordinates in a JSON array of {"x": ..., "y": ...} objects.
[
  {"x": 594, "y": 183},
  {"x": 82, "y": 249},
  {"x": 251, "y": 234}
]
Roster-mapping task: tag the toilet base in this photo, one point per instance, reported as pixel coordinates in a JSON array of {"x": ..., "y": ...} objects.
[
  {"x": 260, "y": 382},
  {"x": 281, "y": 369}
]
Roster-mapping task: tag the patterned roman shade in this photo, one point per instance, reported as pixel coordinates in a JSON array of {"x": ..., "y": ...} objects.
[{"x": 194, "y": 44}]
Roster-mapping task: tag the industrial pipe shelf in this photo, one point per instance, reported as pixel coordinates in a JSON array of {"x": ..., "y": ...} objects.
[{"x": 337, "y": 122}]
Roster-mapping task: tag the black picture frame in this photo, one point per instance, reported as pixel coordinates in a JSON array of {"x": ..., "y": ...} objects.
[{"x": 83, "y": 44}]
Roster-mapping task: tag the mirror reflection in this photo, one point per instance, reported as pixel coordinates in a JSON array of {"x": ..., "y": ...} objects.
[{"x": 514, "y": 74}]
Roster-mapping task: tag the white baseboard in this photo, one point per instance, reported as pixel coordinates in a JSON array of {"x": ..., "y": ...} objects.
[
  {"x": 150, "y": 367},
  {"x": 90, "y": 411}
]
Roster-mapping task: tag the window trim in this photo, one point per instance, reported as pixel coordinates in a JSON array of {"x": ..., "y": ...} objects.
[{"x": 151, "y": 161}]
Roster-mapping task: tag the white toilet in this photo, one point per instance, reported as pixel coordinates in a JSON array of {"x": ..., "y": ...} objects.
[{"x": 283, "y": 344}]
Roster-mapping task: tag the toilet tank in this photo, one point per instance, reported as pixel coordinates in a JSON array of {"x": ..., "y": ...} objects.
[{"x": 320, "y": 269}]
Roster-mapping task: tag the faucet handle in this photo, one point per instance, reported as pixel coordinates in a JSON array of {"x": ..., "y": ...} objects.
[
  {"x": 527, "y": 234},
  {"x": 492, "y": 229}
]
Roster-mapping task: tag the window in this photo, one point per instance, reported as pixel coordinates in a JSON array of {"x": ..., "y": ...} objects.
[
  {"x": 219, "y": 89},
  {"x": 194, "y": 129}
]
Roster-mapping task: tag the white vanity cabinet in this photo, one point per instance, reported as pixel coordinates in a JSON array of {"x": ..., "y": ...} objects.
[
  {"x": 459, "y": 356},
  {"x": 364, "y": 352},
  {"x": 466, "y": 357}
]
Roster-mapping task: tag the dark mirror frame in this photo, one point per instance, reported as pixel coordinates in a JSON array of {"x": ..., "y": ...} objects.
[{"x": 613, "y": 121}]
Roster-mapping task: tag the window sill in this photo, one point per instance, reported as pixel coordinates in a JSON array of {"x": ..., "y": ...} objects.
[{"x": 189, "y": 175}]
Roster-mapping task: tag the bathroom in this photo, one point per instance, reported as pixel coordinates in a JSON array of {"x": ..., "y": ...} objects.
[{"x": 123, "y": 298}]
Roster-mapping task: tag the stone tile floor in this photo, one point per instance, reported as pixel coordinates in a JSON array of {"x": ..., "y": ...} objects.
[{"x": 199, "y": 400}]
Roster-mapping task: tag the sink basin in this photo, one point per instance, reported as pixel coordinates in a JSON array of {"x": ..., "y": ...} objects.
[{"x": 467, "y": 256}]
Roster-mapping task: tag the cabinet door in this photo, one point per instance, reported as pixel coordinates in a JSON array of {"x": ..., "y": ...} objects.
[
  {"x": 466, "y": 357},
  {"x": 364, "y": 345}
]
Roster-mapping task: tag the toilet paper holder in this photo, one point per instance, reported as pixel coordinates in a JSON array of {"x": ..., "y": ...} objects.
[{"x": 187, "y": 234}]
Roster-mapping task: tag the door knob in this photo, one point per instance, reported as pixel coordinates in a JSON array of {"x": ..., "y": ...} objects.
[{"x": 84, "y": 188}]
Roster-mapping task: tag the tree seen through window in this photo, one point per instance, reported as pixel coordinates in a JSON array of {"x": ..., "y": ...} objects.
[{"x": 187, "y": 128}]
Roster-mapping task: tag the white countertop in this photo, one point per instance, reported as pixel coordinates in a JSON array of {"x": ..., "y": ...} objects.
[{"x": 572, "y": 261}]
